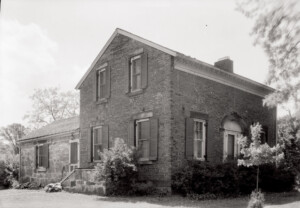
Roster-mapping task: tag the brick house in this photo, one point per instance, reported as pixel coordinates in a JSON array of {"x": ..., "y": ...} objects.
[{"x": 170, "y": 106}]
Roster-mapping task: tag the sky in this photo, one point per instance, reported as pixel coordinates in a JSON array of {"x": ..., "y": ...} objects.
[{"x": 47, "y": 43}]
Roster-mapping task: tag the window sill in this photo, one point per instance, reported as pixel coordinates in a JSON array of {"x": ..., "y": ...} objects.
[
  {"x": 134, "y": 93},
  {"x": 145, "y": 162},
  {"x": 41, "y": 169},
  {"x": 102, "y": 101}
]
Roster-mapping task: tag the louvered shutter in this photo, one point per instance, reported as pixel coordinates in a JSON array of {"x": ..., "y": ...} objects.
[
  {"x": 107, "y": 83},
  {"x": 36, "y": 156},
  {"x": 105, "y": 137},
  {"x": 46, "y": 155},
  {"x": 74, "y": 152},
  {"x": 154, "y": 126},
  {"x": 144, "y": 70},
  {"x": 130, "y": 140},
  {"x": 90, "y": 146},
  {"x": 95, "y": 88},
  {"x": 127, "y": 74},
  {"x": 189, "y": 138}
]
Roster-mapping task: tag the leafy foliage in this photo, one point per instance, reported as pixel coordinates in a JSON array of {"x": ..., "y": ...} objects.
[
  {"x": 51, "y": 104},
  {"x": 256, "y": 153},
  {"x": 118, "y": 168},
  {"x": 203, "y": 180},
  {"x": 12, "y": 133},
  {"x": 9, "y": 172},
  {"x": 277, "y": 30},
  {"x": 257, "y": 200}
]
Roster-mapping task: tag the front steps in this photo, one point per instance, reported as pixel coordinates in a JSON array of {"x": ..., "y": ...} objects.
[{"x": 82, "y": 181}]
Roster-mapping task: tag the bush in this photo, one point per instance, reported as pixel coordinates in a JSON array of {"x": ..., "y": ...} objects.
[
  {"x": 9, "y": 173},
  {"x": 257, "y": 200},
  {"x": 228, "y": 179},
  {"x": 118, "y": 168}
]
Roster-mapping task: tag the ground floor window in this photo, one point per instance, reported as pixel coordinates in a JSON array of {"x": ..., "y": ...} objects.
[
  {"x": 199, "y": 139},
  {"x": 142, "y": 132},
  {"x": 42, "y": 155},
  {"x": 97, "y": 143}
]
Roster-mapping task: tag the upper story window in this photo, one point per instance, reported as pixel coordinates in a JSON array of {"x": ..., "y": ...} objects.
[
  {"x": 135, "y": 73},
  {"x": 102, "y": 86},
  {"x": 101, "y": 83}
]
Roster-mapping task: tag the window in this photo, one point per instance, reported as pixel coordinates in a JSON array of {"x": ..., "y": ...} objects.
[
  {"x": 97, "y": 143},
  {"x": 142, "y": 132},
  {"x": 199, "y": 139},
  {"x": 135, "y": 73},
  {"x": 42, "y": 156},
  {"x": 101, "y": 83}
]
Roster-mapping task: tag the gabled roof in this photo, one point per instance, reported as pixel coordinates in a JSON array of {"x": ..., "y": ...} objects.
[
  {"x": 56, "y": 127},
  {"x": 222, "y": 76},
  {"x": 130, "y": 35}
]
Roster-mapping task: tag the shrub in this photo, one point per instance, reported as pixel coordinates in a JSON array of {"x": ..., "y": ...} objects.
[
  {"x": 256, "y": 200},
  {"x": 118, "y": 168},
  {"x": 228, "y": 179},
  {"x": 9, "y": 172}
]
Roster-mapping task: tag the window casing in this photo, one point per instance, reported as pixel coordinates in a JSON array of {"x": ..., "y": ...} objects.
[
  {"x": 136, "y": 73},
  {"x": 101, "y": 83},
  {"x": 97, "y": 143},
  {"x": 199, "y": 139},
  {"x": 42, "y": 156},
  {"x": 142, "y": 137}
]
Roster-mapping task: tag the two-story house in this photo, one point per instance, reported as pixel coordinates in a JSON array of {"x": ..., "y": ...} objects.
[{"x": 170, "y": 106}]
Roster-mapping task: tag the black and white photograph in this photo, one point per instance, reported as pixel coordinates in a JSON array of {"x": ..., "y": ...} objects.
[{"x": 150, "y": 103}]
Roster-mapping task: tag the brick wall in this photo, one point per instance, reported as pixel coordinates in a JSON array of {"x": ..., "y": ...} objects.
[
  {"x": 120, "y": 107},
  {"x": 194, "y": 93},
  {"x": 59, "y": 148}
]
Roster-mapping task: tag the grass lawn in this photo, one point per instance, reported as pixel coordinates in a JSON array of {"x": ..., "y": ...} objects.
[{"x": 39, "y": 199}]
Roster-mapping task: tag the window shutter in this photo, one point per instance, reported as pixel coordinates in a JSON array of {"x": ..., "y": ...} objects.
[
  {"x": 90, "y": 139},
  {"x": 74, "y": 152},
  {"x": 127, "y": 75},
  {"x": 153, "y": 138},
  {"x": 265, "y": 129},
  {"x": 130, "y": 140},
  {"x": 46, "y": 155},
  {"x": 105, "y": 137},
  {"x": 107, "y": 84},
  {"x": 189, "y": 138},
  {"x": 95, "y": 89},
  {"x": 144, "y": 70},
  {"x": 36, "y": 156}
]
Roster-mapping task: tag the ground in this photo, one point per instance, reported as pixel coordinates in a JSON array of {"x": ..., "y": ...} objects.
[{"x": 39, "y": 199}]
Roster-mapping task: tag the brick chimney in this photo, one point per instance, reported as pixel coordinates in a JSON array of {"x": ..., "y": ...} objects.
[{"x": 225, "y": 64}]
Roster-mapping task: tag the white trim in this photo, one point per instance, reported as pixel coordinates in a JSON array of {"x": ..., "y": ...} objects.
[
  {"x": 204, "y": 139},
  {"x": 221, "y": 78},
  {"x": 136, "y": 136},
  {"x": 131, "y": 73},
  {"x": 130, "y": 35},
  {"x": 96, "y": 127}
]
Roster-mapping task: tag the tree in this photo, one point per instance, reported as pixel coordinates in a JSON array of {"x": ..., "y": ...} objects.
[
  {"x": 277, "y": 30},
  {"x": 51, "y": 104},
  {"x": 12, "y": 133},
  {"x": 255, "y": 153}
]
